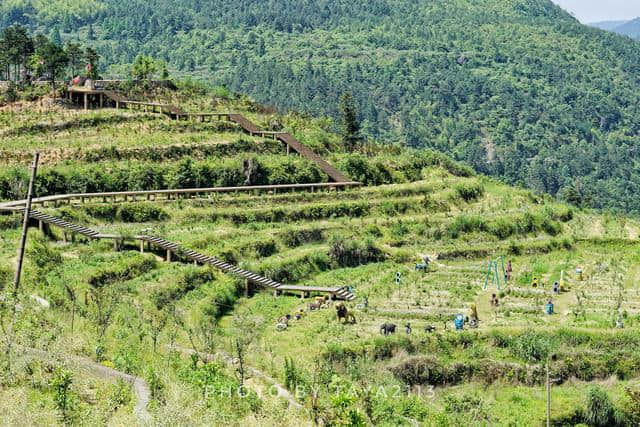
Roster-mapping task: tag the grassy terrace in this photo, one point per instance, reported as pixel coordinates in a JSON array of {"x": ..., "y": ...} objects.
[{"x": 139, "y": 314}]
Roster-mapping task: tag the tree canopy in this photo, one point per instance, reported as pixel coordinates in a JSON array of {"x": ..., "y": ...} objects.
[
  {"x": 516, "y": 88},
  {"x": 23, "y": 56}
]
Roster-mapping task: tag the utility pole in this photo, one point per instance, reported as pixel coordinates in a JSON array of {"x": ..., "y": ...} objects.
[
  {"x": 548, "y": 396},
  {"x": 23, "y": 241},
  {"x": 25, "y": 227}
]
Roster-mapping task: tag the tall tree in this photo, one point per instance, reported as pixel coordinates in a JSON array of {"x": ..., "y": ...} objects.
[
  {"x": 350, "y": 127},
  {"x": 55, "y": 36},
  {"x": 4, "y": 61},
  {"x": 143, "y": 67},
  {"x": 19, "y": 47},
  {"x": 52, "y": 59},
  {"x": 76, "y": 57},
  {"x": 93, "y": 61}
]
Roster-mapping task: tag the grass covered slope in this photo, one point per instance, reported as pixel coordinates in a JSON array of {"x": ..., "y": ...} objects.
[
  {"x": 517, "y": 89},
  {"x": 138, "y": 314}
]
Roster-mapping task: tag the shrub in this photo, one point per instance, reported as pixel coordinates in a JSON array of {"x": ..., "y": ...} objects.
[
  {"x": 499, "y": 339},
  {"x": 190, "y": 280},
  {"x": 292, "y": 375},
  {"x": 502, "y": 228},
  {"x": 352, "y": 252},
  {"x": 469, "y": 191},
  {"x": 43, "y": 255},
  {"x": 265, "y": 249},
  {"x": 156, "y": 386},
  {"x": 295, "y": 269},
  {"x": 373, "y": 230},
  {"x": 103, "y": 212},
  {"x": 360, "y": 169},
  {"x": 599, "y": 411},
  {"x": 531, "y": 347},
  {"x": 63, "y": 397},
  {"x": 120, "y": 394},
  {"x": 8, "y": 222},
  {"x": 466, "y": 224},
  {"x": 468, "y": 404},
  {"x": 125, "y": 269},
  {"x": 127, "y": 359},
  {"x": 420, "y": 370},
  {"x": 310, "y": 212},
  {"x": 228, "y": 256},
  {"x": 141, "y": 212},
  {"x": 295, "y": 238}
]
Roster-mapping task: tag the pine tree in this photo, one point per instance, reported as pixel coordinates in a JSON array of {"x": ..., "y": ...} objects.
[
  {"x": 93, "y": 60},
  {"x": 143, "y": 67},
  {"x": 55, "y": 36},
  {"x": 50, "y": 58},
  {"x": 74, "y": 52},
  {"x": 349, "y": 122}
]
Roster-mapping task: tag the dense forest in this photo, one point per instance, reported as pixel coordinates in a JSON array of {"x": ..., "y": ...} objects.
[{"x": 516, "y": 88}]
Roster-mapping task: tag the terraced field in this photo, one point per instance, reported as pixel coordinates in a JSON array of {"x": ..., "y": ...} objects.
[{"x": 190, "y": 331}]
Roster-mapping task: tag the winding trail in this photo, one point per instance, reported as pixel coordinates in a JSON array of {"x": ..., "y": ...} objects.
[
  {"x": 228, "y": 359},
  {"x": 140, "y": 387}
]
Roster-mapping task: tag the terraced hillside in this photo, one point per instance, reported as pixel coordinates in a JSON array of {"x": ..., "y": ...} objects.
[{"x": 192, "y": 333}]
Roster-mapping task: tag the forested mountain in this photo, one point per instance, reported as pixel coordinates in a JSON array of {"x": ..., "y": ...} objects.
[
  {"x": 630, "y": 28},
  {"x": 516, "y": 88},
  {"x": 608, "y": 25},
  {"x": 626, "y": 28}
]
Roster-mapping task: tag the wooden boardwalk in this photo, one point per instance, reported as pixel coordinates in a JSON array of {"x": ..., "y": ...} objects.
[
  {"x": 171, "y": 194},
  {"x": 83, "y": 95},
  {"x": 174, "y": 252}
]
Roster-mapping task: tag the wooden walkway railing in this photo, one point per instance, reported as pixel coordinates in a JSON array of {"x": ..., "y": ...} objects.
[
  {"x": 172, "y": 249},
  {"x": 171, "y": 194}
]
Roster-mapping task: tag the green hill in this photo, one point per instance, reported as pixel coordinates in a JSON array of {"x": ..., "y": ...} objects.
[
  {"x": 178, "y": 327},
  {"x": 517, "y": 89}
]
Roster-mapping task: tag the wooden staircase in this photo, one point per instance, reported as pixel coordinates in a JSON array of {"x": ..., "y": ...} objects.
[
  {"x": 245, "y": 124},
  {"x": 292, "y": 143},
  {"x": 338, "y": 292}
]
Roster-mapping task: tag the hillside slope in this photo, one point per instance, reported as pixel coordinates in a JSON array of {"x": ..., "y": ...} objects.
[
  {"x": 518, "y": 89},
  {"x": 179, "y": 326}
]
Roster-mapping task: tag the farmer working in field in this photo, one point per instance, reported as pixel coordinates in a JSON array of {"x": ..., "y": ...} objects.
[{"x": 494, "y": 300}]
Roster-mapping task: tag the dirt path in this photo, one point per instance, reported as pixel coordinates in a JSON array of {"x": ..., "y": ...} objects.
[
  {"x": 140, "y": 387},
  {"x": 282, "y": 392}
]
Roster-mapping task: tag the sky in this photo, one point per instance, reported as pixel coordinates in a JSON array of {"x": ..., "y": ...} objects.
[{"x": 601, "y": 10}]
